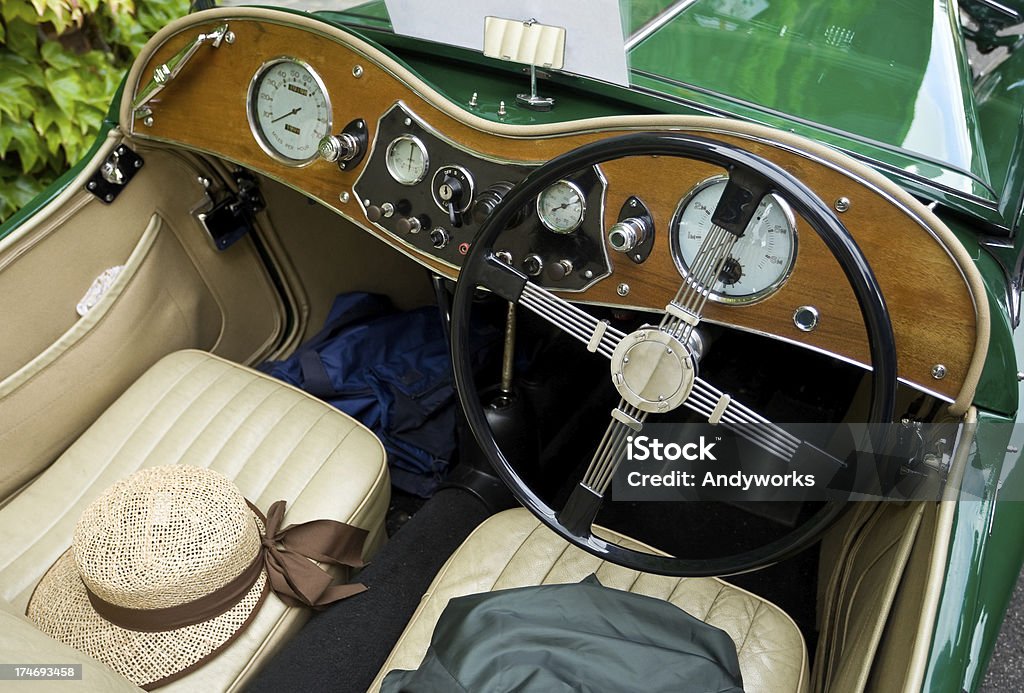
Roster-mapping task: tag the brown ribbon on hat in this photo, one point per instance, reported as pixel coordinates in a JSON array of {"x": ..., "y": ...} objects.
[{"x": 296, "y": 579}]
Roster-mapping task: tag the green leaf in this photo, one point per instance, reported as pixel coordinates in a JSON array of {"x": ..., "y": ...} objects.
[
  {"x": 55, "y": 55},
  {"x": 26, "y": 143},
  {"x": 19, "y": 10},
  {"x": 46, "y": 115},
  {"x": 23, "y": 39},
  {"x": 16, "y": 98},
  {"x": 18, "y": 191},
  {"x": 11, "y": 64},
  {"x": 66, "y": 89}
]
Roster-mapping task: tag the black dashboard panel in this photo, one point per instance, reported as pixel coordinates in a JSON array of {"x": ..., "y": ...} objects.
[{"x": 440, "y": 208}]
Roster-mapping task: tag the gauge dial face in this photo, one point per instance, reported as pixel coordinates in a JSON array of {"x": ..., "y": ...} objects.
[
  {"x": 289, "y": 111},
  {"x": 561, "y": 207},
  {"x": 762, "y": 257},
  {"x": 407, "y": 160}
]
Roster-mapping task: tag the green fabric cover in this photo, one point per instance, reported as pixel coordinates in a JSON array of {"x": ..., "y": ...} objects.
[{"x": 576, "y": 637}]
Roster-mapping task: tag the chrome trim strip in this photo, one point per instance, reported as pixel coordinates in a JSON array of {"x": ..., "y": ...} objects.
[{"x": 656, "y": 23}]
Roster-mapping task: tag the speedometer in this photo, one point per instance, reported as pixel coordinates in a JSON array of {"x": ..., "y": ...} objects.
[
  {"x": 761, "y": 258},
  {"x": 289, "y": 111}
]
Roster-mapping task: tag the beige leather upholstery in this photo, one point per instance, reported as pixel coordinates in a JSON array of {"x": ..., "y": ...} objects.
[
  {"x": 513, "y": 549},
  {"x": 22, "y": 643},
  {"x": 273, "y": 440}
]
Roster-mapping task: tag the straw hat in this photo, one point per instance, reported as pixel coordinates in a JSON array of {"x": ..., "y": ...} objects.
[{"x": 168, "y": 566}]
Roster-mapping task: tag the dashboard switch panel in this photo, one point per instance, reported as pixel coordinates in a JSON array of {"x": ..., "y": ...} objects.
[{"x": 428, "y": 178}]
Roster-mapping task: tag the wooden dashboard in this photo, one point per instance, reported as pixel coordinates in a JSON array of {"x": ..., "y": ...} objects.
[{"x": 928, "y": 281}]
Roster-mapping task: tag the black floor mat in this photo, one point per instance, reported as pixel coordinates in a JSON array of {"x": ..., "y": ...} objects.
[{"x": 342, "y": 648}]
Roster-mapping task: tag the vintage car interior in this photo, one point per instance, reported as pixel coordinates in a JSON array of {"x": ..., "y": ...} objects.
[{"x": 233, "y": 237}]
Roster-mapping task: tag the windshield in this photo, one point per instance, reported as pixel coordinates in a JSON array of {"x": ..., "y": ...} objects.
[{"x": 891, "y": 71}]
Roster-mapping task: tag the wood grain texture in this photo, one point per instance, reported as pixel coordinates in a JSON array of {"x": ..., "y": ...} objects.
[{"x": 930, "y": 303}]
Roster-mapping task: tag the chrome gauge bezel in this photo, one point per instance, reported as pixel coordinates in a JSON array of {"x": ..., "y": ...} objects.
[
  {"x": 418, "y": 143},
  {"x": 254, "y": 126},
  {"x": 583, "y": 208},
  {"x": 747, "y": 299}
]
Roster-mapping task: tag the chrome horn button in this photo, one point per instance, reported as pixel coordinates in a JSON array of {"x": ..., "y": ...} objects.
[{"x": 652, "y": 370}]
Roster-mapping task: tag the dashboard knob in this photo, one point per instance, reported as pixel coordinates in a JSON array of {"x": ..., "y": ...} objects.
[
  {"x": 409, "y": 225},
  {"x": 487, "y": 201},
  {"x": 334, "y": 148},
  {"x": 533, "y": 265},
  {"x": 439, "y": 238},
  {"x": 374, "y": 213},
  {"x": 560, "y": 270},
  {"x": 627, "y": 234}
]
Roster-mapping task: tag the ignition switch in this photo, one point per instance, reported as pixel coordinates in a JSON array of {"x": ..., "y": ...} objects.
[{"x": 452, "y": 188}]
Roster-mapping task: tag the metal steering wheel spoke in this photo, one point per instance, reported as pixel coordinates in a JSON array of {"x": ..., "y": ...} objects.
[
  {"x": 585, "y": 500},
  {"x": 719, "y": 408},
  {"x": 684, "y": 311},
  {"x": 504, "y": 280}
]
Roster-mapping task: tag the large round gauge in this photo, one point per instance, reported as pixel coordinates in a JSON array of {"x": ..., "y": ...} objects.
[
  {"x": 761, "y": 258},
  {"x": 289, "y": 110},
  {"x": 407, "y": 160},
  {"x": 561, "y": 207}
]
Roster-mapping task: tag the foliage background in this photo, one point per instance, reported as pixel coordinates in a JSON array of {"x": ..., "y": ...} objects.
[{"x": 60, "y": 63}]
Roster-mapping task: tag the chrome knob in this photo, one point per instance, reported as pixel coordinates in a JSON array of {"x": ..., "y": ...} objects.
[
  {"x": 409, "y": 225},
  {"x": 627, "y": 234},
  {"x": 439, "y": 238},
  {"x": 334, "y": 148},
  {"x": 533, "y": 265}
]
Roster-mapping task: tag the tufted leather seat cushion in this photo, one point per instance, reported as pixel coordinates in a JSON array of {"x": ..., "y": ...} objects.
[
  {"x": 513, "y": 549},
  {"x": 274, "y": 441}
]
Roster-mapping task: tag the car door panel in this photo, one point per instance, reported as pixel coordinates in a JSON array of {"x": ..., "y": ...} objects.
[{"x": 58, "y": 370}]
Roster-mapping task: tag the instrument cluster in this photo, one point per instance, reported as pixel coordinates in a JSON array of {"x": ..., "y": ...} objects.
[{"x": 428, "y": 193}]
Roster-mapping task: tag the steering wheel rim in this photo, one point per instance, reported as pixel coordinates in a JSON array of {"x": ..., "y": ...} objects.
[{"x": 734, "y": 159}]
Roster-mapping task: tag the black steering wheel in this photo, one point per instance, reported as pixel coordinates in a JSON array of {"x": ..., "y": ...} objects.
[{"x": 751, "y": 177}]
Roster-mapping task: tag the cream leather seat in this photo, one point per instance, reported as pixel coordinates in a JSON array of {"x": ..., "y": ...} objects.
[
  {"x": 274, "y": 441},
  {"x": 513, "y": 549}
]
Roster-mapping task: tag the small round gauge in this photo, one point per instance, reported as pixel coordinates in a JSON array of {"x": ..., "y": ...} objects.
[
  {"x": 289, "y": 111},
  {"x": 561, "y": 207},
  {"x": 762, "y": 257},
  {"x": 407, "y": 160}
]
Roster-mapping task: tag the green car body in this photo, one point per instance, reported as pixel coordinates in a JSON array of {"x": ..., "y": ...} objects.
[{"x": 836, "y": 74}]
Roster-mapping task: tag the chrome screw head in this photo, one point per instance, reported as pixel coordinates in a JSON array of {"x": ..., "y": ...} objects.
[
  {"x": 148, "y": 121},
  {"x": 357, "y": 71},
  {"x": 622, "y": 289},
  {"x": 938, "y": 371},
  {"x": 344, "y": 197},
  {"x": 842, "y": 204}
]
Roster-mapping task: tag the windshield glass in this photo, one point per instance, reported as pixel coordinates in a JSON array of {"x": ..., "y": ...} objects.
[{"x": 891, "y": 71}]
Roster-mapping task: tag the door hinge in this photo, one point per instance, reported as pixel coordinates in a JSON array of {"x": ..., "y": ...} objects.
[{"x": 114, "y": 174}]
